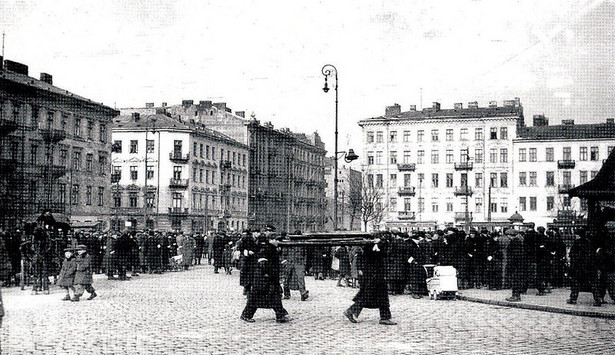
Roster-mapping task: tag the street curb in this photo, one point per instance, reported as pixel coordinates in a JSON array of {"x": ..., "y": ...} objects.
[{"x": 538, "y": 307}]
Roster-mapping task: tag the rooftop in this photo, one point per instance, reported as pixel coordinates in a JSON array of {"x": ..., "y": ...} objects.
[{"x": 569, "y": 131}]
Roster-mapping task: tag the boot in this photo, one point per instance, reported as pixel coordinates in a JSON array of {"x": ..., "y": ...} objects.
[
  {"x": 387, "y": 322},
  {"x": 92, "y": 296},
  {"x": 305, "y": 295},
  {"x": 350, "y": 316},
  {"x": 74, "y": 299},
  {"x": 66, "y": 298}
]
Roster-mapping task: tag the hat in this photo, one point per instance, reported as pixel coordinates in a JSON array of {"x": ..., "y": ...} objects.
[
  {"x": 81, "y": 247},
  {"x": 69, "y": 249},
  {"x": 511, "y": 231}
]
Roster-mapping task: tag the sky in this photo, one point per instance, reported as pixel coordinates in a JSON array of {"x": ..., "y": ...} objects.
[{"x": 266, "y": 56}]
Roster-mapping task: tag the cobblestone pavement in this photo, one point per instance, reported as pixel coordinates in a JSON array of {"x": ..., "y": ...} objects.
[{"x": 197, "y": 312}]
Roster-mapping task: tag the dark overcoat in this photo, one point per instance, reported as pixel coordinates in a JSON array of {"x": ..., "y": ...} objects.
[
  {"x": 343, "y": 256},
  {"x": 321, "y": 259},
  {"x": 220, "y": 242},
  {"x": 245, "y": 245},
  {"x": 110, "y": 258},
  {"x": 397, "y": 260},
  {"x": 372, "y": 285},
  {"x": 265, "y": 291},
  {"x": 83, "y": 273},
  {"x": 67, "y": 273},
  {"x": 517, "y": 266}
]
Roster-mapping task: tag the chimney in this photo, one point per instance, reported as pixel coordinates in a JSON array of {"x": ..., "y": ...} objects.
[
  {"x": 540, "y": 120},
  {"x": 221, "y": 106},
  {"x": 164, "y": 104},
  {"x": 412, "y": 107},
  {"x": 136, "y": 116},
  {"x": 473, "y": 104},
  {"x": 47, "y": 78},
  {"x": 510, "y": 103},
  {"x": 149, "y": 105},
  {"x": 161, "y": 111},
  {"x": 436, "y": 106},
  {"x": 493, "y": 104},
  {"x": 16, "y": 67},
  {"x": 392, "y": 110},
  {"x": 241, "y": 114},
  {"x": 610, "y": 121},
  {"x": 568, "y": 122},
  {"x": 205, "y": 103},
  {"x": 458, "y": 106},
  {"x": 187, "y": 103}
]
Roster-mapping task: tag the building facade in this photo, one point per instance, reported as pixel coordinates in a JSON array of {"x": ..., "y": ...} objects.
[
  {"x": 55, "y": 150},
  {"x": 286, "y": 178},
  {"x": 171, "y": 174},
  {"x": 348, "y": 199}
]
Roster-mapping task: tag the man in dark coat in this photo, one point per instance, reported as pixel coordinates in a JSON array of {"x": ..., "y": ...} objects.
[
  {"x": 517, "y": 265},
  {"x": 559, "y": 258},
  {"x": 372, "y": 285},
  {"x": 41, "y": 260},
  {"x": 397, "y": 268},
  {"x": 265, "y": 291},
  {"x": 321, "y": 262},
  {"x": 493, "y": 261},
  {"x": 220, "y": 242},
  {"x": 544, "y": 258},
  {"x": 583, "y": 268},
  {"x": 414, "y": 260},
  {"x": 199, "y": 241},
  {"x": 293, "y": 260},
  {"x": 247, "y": 247},
  {"x": 124, "y": 255}
]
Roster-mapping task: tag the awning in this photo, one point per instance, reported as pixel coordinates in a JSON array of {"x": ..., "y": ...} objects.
[{"x": 602, "y": 187}]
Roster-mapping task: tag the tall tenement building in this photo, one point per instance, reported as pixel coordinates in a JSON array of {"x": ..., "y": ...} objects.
[
  {"x": 478, "y": 165},
  {"x": 54, "y": 150},
  {"x": 176, "y": 174},
  {"x": 286, "y": 169},
  {"x": 348, "y": 199}
]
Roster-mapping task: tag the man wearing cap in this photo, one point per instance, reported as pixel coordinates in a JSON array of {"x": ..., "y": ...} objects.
[
  {"x": 517, "y": 265},
  {"x": 83, "y": 274}
]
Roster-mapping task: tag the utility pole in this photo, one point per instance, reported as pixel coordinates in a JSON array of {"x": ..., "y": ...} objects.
[{"x": 3, "y": 35}]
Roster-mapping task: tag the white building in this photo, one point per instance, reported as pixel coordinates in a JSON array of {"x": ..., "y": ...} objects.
[
  {"x": 197, "y": 179},
  {"x": 348, "y": 199}
]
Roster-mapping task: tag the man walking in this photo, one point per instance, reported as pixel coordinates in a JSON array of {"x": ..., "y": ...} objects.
[{"x": 293, "y": 259}]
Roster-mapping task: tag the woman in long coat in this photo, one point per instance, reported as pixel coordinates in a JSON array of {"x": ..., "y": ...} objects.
[
  {"x": 220, "y": 242},
  {"x": 186, "y": 244},
  {"x": 341, "y": 253},
  {"x": 373, "y": 288},
  {"x": 110, "y": 258},
  {"x": 354, "y": 269}
]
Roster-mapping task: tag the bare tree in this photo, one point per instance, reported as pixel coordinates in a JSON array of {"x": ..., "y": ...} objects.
[{"x": 365, "y": 201}]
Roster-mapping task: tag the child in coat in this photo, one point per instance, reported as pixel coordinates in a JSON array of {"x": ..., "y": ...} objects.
[
  {"x": 83, "y": 274},
  {"x": 228, "y": 258},
  {"x": 66, "y": 278}
]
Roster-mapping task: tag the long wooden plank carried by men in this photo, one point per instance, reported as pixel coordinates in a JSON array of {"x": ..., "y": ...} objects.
[
  {"x": 325, "y": 242},
  {"x": 330, "y": 235}
]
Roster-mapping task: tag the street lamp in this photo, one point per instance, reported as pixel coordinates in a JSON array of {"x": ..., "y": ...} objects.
[{"x": 331, "y": 71}]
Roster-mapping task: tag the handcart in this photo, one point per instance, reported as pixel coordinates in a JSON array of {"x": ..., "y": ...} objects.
[{"x": 441, "y": 282}]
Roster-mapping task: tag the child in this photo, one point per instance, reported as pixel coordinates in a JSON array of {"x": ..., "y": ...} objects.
[
  {"x": 228, "y": 258},
  {"x": 67, "y": 275},
  {"x": 83, "y": 274}
]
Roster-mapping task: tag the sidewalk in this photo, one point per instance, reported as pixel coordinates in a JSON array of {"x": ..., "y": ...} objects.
[{"x": 552, "y": 302}]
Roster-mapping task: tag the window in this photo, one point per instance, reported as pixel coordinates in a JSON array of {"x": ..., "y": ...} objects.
[
  {"x": 50, "y": 119},
  {"x": 503, "y": 155},
  {"x": 504, "y": 133},
  {"x": 88, "y": 162},
  {"x": 117, "y": 146},
  {"x": 493, "y": 155},
  {"x": 463, "y": 134},
  {"x": 434, "y": 180},
  {"x": 149, "y": 146},
  {"x": 133, "y": 146},
  {"x": 449, "y": 207},
  {"x": 566, "y": 201},
  {"x": 550, "y": 203},
  {"x": 201, "y": 175},
  {"x": 449, "y": 179},
  {"x": 567, "y": 155},
  {"x": 133, "y": 200},
  {"x": 370, "y": 137},
  {"x": 206, "y": 152},
  {"x": 393, "y": 180},
  {"x": 493, "y": 207},
  {"x": 522, "y": 204},
  {"x": 594, "y": 173},
  {"x": 77, "y": 131},
  {"x": 503, "y": 179},
  {"x": 533, "y": 203},
  {"x": 493, "y": 133},
  {"x": 567, "y": 178},
  {"x": 435, "y": 157},
  {"x": 421, "y": 177},
  {"x": 200, "y": 150},
  {"x": 75, "y": 195},
  {"x": 522, "y": 178},
  {"x": 434, "y": 135},
  {"x": 393, "y": 203},
  {"x": 533, "y": 178},
  {"x": 62, "y": 193},
  {"x": 393, "y": 136},
  {"x": 434, "y": 207},
  {"x": 407, "y": 204},
  {"x": 533, "y": 154},
  {"x": 582, "y": 176},
  {"x": 134, "y": 173},
  {"x": 478, "y": 204},
  {"x": 90, "y": 128},
  {"x": 478, "y": 134},
  {"x": 370, "y": 180},
  {"x": 549, "y": 154},
  {"x": 149, "y": 201},
  {"x": 102, "y": 164},
  {"x": 379, "y": 137},
  {"x": 88, "y": 195},
  {"x": 594, "y": 156},
  {"x": 478, "y": 155},
  {"x": 551, "y": 178},
  {"x": 370, "y": 158},
  {"x": 379, "y": 157},
  {"x": 522, "y": 154},
  {"x": 393, "y": 157},
  {"x": 419, "y": 135},
  {"x": 420, "y": 157},
  {"x": 77, "y": 161},
  {"x": 103, "y": 133},
  {"x": 407, "y": 180},
  {"x": 504, "y": 206},
  {"x": 493, "y": 179},
  {"x": 583, "y": 153},
  {"x": 421, "y": 204},
  {"x": 478, "y": 179},
  {"x": 33, "y": 154},
  {"x": 194, "y": 148},
  {"x": 407, "y": 157},
  {"x": 34, "y": 117},
  {"x": 464, "y": 155},
  {"x": 449, "y": 134},
  {"x": 449, "y": 156},
  {"x": 379, "y": 180},
  {"x": 406, "y": 136}
]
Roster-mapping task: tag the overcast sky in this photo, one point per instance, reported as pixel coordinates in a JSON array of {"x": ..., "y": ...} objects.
[{"x": 266, "y": 56}]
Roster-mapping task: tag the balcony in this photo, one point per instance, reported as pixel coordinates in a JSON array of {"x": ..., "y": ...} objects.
[
  {"x": 178, "y": 211},
  {"x": 7, "y": 126},
  {"x": 463, "y": 191},
  {"x": 406, "y": 215},
  {"x": 464, "y": 166},
  {"x": 565, "y": 164},
  {"x": 178, "y": 183},
  {"x": 406, "y": 191},
  {"x": 563, "y": 188},
  {"x": 225, "y": 164},
  {"x": 463, "y": 216},
  {"x": 52, "y": 135},
  {"x": 178, "y": 157},
  {"x": 406, "y": 167}
]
